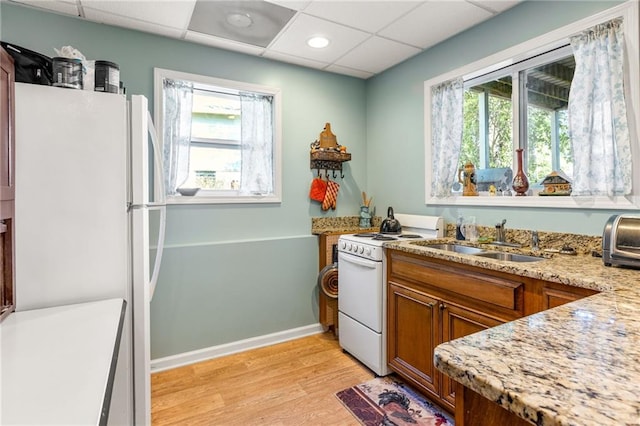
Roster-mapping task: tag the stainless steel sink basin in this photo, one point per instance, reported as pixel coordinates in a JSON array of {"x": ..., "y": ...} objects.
[
  {"x": 456, "y": 248},
  {"x": 475, "y": 251},
  {"x": 510, "y": 257}
]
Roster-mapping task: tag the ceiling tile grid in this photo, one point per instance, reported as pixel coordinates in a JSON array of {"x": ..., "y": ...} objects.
[{"x": 366, "y": 37}]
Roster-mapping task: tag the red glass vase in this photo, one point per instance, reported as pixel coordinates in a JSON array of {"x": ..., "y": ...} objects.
[{"x": 520, "y": 181}]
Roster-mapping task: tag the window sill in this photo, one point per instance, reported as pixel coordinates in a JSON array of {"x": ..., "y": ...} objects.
[
  {"x": 535, "y": 201},
  {"x": 203, "y": 199}
]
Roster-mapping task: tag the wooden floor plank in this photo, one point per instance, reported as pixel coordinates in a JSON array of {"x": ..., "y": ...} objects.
[{"x": 291, "y": 383}]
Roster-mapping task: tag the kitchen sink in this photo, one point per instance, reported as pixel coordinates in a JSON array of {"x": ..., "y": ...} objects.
[
  {"x": 456, "y": 248},
  {"x": 475, "y": 251},
  {"x": 509, "y": 257}
]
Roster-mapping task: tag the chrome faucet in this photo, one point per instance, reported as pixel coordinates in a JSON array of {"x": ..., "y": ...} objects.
[
  {"x": 500, "y": 231},
  {"x": 500, "y": 239}
]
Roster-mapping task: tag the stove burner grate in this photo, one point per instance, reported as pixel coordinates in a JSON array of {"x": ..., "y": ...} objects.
[
  {"x": 365, "y": 235},
  {"x": 410, "y": 236}
]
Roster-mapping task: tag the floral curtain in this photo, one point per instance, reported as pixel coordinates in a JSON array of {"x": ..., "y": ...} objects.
[
  {"x": 446, "y": 135},
  {"x": 178, "y": 103},
  {"x": 256, "y": 176},
  {"x": 598, "y": 114}
]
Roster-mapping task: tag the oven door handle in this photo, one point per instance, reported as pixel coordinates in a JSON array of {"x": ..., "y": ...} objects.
[{"x": 351, "y": 259}]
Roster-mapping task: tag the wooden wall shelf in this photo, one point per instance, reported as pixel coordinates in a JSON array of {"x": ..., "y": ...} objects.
[{"x": 328, "y": 160}]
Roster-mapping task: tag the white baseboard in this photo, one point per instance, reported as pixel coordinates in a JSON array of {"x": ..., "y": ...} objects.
[{"x": 186, "y": 358}]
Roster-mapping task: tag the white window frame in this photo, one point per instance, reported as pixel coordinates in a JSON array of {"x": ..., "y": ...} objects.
[
  {"x": 549, "y": 41},
  {"x": 225, "y": 197}
]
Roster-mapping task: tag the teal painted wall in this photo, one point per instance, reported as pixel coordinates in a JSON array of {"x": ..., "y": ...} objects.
[
  {"x": 234, "y": 272},
  {"x": 395, "y": 117}
]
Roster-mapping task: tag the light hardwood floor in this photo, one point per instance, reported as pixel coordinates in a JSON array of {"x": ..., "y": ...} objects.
[{"x": 291, "y": 383}]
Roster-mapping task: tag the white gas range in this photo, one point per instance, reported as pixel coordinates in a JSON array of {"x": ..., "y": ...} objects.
[{"x": 362, "y": 294}]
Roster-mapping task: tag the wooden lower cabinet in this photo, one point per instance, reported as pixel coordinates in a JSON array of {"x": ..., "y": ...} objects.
[
  {"x": 432, "y": 301},
  {"x": 414, "y": 332},
  {"x": 557, "y": 294},
  {"x": 473, "y": 409},
  {"x": 417, "y": 323},
  {"x": 459, "y": 322}
]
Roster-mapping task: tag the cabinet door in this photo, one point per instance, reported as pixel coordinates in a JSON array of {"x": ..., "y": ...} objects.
[
  {"x": 413, "y": 333},
  {"x": 459, "y": 322},
  {"x": 6, "y": 126},
  {"x": 557, "y": 294},
  {"x": 6, "y": 269}
]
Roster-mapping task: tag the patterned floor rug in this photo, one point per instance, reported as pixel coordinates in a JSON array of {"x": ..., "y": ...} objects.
[{"x": 387, "y": 401}]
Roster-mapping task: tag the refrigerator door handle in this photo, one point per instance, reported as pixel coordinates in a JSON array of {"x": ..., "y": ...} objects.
[
  {"x": 159, "y": 200},
  {"x": 159, "y": 249},
  {"x": 159, "y": 193}
]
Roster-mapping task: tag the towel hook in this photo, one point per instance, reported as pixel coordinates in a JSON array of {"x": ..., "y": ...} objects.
[{"x": 334, "y": 174}]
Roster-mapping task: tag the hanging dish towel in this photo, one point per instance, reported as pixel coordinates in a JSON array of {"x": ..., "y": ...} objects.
[
  {"x": 331, "y": 196},
  {"x": 318, "y": 190}
]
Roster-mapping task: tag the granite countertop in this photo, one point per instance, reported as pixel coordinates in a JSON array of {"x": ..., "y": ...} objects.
[
  {"x": 342, "y": 225},
  {"x": 577, "y": 364}
]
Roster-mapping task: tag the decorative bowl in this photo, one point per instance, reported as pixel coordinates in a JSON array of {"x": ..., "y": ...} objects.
[{"x": 188, "y": 192}]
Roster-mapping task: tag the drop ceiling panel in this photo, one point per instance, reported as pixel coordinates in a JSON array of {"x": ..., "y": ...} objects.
[
  {"x": 496, "y": 5},
  {"x": 277, "y": 56},
  {"x": 294, "y": 40},
  {"x": 291, "y": 4},
  {"x": 168, "y": 13},
  {"x": 366, "y": 16},
  {"x": 223, "y": 44},
  {"x": 65, "y": 7},
  {"x": 435, "y": 21},
  {"x": 367, "y": 55},
  {"x": 348, "y": 71},
  {"x": 121, "y": 21}
]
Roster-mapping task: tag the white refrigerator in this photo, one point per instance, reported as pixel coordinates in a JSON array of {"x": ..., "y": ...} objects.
[{"x": 82, "y": 209}]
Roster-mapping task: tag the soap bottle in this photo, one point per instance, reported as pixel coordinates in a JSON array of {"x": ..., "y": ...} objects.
[{"x": 459, "y": 235}]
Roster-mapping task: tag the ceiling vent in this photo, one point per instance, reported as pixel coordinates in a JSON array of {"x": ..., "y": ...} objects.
[{"x": 250, "y": 22}]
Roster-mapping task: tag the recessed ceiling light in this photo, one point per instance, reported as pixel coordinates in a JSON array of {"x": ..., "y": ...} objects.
[
  {"x": 318, "y": 42},
  {"x": 239, "y": 20}
]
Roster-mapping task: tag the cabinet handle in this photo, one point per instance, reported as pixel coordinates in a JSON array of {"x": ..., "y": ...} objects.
[{"x": 442, "y": 306}]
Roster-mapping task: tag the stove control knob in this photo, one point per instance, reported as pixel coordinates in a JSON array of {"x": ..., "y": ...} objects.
[
  {"x": 354, "y": 248},
  {"x": 344, "y": 245},
  {"x": 348, "y": 246},
  {"x": 361, "y": 250},
  {"x": 368, "y": 252}
]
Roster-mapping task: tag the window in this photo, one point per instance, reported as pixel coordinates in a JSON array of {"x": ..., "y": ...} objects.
[
  {"x": 220, "y": 136},
  {"x": 490, "y": 103},
  {"x": 215, "y": 156},
  {"x": 519, "y": 98}
]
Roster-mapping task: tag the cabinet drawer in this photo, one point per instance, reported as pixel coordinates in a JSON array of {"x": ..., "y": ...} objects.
[{"x": 472, "y": 284}]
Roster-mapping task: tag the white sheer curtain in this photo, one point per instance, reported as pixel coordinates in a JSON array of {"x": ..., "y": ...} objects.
[
  {"x": 446, "y": 135},
  {"x": 256, "y": 176},
  {"x": 598, "y": 114},
  {"x": 178, "y": 103}
]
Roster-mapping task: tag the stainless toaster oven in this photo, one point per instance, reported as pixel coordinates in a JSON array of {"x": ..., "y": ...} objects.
[{"x": 621, "y": 241}]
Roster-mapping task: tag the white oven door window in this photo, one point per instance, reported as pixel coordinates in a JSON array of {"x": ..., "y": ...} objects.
[{"x": 360, "y": 290}]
